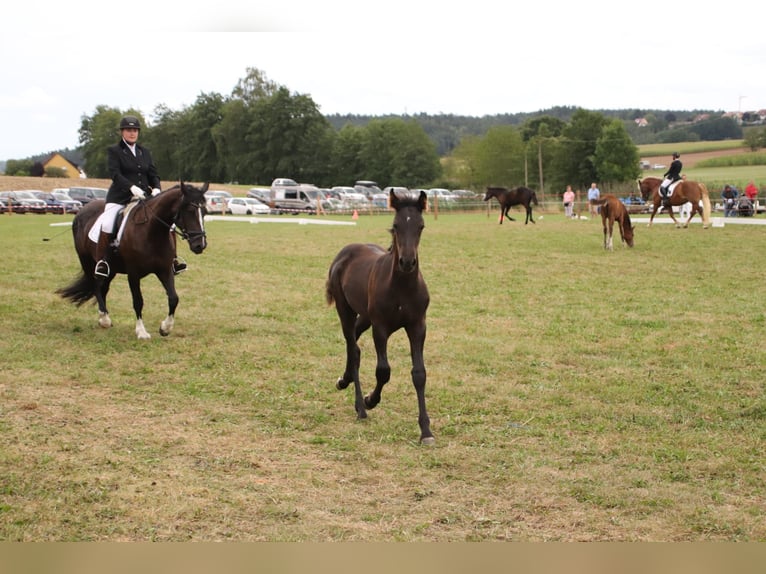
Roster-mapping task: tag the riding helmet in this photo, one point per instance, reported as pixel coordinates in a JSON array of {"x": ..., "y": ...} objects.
[
  {"x": 130, "y": 122},
  {"x": 676, "y": 155}
]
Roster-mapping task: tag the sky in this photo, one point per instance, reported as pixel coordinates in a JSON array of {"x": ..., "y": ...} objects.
[{"x": 60, "y": 61}]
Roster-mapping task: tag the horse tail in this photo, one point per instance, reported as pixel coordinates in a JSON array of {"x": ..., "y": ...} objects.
[
  {"x": 80, "y": 291},
  {"x": 705, "y": 205}
]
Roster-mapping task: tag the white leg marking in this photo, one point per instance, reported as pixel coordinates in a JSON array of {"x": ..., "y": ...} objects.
[{"x": 141, "y": 331}]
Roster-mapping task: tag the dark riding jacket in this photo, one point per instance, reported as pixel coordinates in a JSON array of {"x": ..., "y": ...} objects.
[
  {"x": 674, "y": 171},
  {"x": 127, "y": 170}
]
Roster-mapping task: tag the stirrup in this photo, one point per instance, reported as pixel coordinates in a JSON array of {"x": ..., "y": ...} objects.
[
  {"x": 179, "y": 266},
  {"x": 102, "y": 268}
]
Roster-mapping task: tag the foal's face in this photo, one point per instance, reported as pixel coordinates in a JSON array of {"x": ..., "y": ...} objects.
[{"x": 406, "y": 231}]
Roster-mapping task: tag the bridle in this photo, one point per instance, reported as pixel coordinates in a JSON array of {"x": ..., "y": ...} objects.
[{"x": 176, "y": 225}]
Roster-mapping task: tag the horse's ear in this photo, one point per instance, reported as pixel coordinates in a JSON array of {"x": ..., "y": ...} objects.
[
  {"x": 205, "y": 186},
  {"x": 393, "y": 199},
  {"x": 423, "y": 200}
]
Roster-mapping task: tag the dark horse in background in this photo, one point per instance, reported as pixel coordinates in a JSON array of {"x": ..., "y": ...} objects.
[
  {"x": 684, "y": 191},
  {"x": 147, "y": 246},
  {"x": 510, "y": 197},
  {"x": 384, "y": 289},
  {"x": 613, "y": 210}
]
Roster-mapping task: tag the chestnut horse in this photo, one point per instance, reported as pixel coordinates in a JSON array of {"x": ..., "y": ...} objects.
[
  {"x": 684, "y": 191},
  {"x": 612, "y": 209},
  {"x": 147, "y": 246},
  {"x": 510, "y": 197},
  {"x": 384, "y": 289}
]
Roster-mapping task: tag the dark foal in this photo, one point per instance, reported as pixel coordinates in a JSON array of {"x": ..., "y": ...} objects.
[
  {"x": 384, "y": 289},
  {"x": 507, "y": 198}
]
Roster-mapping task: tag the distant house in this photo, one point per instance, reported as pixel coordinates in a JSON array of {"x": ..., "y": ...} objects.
[
  {"x": 59, "y": 161},
  {"x": 641, "y": 122}
]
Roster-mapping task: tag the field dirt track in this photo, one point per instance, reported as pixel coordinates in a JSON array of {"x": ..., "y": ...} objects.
[{"x": 692, "y": 159}]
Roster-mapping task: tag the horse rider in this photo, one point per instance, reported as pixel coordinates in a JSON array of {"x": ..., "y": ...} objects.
[
  {"x": 133, "y": 173},
  {"x": 672, "y": 175}
]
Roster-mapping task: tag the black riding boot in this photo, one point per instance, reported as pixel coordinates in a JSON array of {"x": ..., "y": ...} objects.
[
  {"x": 665, "y": 199},
  {"x": 102, "y": 253},
  {"x": 178, "y": 266}
]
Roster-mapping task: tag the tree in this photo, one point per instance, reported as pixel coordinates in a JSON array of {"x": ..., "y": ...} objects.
[
  {"x": 346, "y": 163},
  {"x": 397, "y": 152},
  {"x": 99, "y": 131},
  {"x": 575, "y": 157},
  {"x": 289, "y": 137},
  {"x": 616, "y": 157},
  {"x": 499, "y": 158}
]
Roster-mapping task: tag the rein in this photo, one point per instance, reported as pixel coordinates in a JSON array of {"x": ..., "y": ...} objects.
[{"x": 175, "y": 226}]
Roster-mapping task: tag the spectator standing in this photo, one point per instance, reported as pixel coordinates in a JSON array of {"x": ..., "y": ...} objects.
[
  {"x": 729, "y": 197},
  {"x": 569, "y": 197},
  {"x": 751, "y": 191},
  {"x": 593, "y": 193}
]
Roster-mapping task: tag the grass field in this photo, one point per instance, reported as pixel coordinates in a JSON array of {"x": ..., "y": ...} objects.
[{"x": 575, "y": 394}]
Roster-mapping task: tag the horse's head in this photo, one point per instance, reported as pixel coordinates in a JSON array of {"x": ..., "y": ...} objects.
[
  {"x": 408, "y": 225},
  {"x": 647, "y": 186},
  {"x": 190, "y": 218},
  {"x": 491, "y": 192},
  {"x": 627, "y": 230}
]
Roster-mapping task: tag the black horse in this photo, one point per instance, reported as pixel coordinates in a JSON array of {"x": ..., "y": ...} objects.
[
  {"x": 383, "y": 288},
  {"x": 509, "y": 197},
  {"x": 147, "y": 246}
]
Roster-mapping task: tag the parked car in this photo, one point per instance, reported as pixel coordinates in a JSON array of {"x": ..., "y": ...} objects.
[
  {"x": 87, "y": 194},
  {"x": 216, "y": 199},
  {"x": 8, "y": 204},
  {"x": 441, "y": 194},
  {"x": 58, "y": 202},
  {"x": 28, "y": 200},
  {"x": 246, "y": 206},
  {"x": 282, "y": 183},
  {"x": 261, "y": 193},
  {"x": 367, "y": 188},
  {"x": 65, "y": 199},
  {"x": 351, "y": 198},
  {"x": 380, "y": 200},
  {"x": 397, "y": 190}
]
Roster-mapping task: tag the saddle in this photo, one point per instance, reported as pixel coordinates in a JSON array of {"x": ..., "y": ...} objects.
[
  {"x": 669, "y": 189},
  {"x": 119, "y": 225}
]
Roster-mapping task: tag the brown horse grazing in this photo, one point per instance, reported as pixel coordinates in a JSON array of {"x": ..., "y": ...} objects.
[
  {"x": 684, "y": 191},
  {"x": 612, "y": 209},
  {"x": 510, "y": 197},
  {"x": 147, "y": 246},
  {"x": 384, "y": 289}
]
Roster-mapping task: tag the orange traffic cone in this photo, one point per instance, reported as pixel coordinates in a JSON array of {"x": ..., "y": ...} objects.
[{"x": 356, "y": 215}]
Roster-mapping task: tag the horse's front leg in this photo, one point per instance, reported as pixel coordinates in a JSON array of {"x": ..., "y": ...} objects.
[
  {"x": 138, "y": 306},
  {"x": 529, "y": 215},
  {"x": 655, "y": 208},
  {"x": 382, "y": 368},
  {"x": 417, "y": 337},
  {"x": 169, "y": 283},
  {"x": 101, "y": 289}
]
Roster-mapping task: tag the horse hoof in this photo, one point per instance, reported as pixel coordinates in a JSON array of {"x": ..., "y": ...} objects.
[
  {"x": 340, "y": 384},
  {"x": 428, "y": 441},
  {"x": 361, "y": 415},
  {"x": 104, "y": 321}
]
